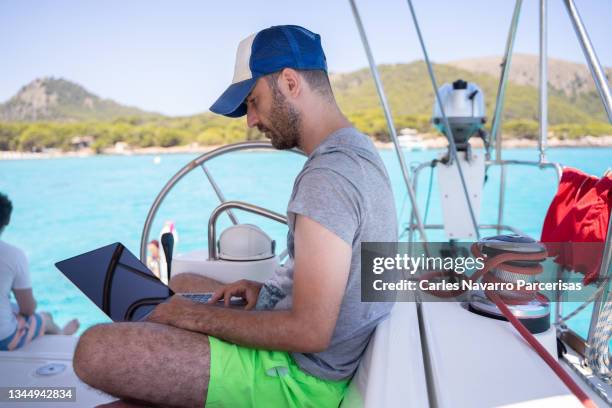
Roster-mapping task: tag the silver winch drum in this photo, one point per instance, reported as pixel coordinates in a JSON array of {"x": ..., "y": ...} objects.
[
  {"x": 532, "y": 310},
  {"x": 463, "y": 104}
]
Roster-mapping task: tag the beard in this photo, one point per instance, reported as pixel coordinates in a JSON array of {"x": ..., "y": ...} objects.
[{"x": 285, "y": 120}]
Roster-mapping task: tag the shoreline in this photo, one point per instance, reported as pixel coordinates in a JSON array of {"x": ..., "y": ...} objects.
[
  {"x": 439, "y": 142},
  {"x": 428, "y": 142},
  {"x": 83, "y": 153}
]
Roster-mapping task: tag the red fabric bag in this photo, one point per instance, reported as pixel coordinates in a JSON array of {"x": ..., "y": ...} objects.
[{"x": 579, "y": 212}]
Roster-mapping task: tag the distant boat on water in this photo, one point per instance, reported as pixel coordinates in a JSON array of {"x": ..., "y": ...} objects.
[{"x": 409, "y": 139}]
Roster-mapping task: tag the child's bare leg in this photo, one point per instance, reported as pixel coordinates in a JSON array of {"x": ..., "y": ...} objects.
[{"x": 52, "y": 328}]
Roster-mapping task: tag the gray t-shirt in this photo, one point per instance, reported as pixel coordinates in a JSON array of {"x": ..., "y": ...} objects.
[{"x": 344, "y": 187}]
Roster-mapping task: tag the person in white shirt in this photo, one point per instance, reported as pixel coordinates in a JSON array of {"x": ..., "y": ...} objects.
[{"x": 20, "y": 323}]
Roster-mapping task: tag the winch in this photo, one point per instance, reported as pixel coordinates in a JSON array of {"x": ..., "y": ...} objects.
[{"x": 513, "y": 259}]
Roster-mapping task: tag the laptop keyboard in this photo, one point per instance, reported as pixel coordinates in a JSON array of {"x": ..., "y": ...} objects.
[
  {"x": 198, "y": 297},
  {"x": 204, "y": 297}
]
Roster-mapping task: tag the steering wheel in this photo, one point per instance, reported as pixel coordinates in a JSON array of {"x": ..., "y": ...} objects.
[{"x": 225, "y": 206}]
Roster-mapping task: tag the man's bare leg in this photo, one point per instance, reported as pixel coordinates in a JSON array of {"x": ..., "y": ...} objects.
[
  {"x": 145, "y": 361},
  {"x": 194, "y": 283}
]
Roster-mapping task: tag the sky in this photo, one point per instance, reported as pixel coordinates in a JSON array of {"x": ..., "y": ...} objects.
[{"x": 177, "y": 57}]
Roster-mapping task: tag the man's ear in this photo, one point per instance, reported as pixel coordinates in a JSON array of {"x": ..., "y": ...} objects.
[{"x": 292, "y": 81}]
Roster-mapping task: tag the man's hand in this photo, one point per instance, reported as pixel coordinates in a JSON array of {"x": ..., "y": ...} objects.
[
  {"x": 246, "y": 289},
  {"x": 181, "y": 312},
  {"x": 169, "y": 311}
]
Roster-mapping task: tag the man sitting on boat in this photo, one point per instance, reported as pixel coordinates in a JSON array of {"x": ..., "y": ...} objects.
[
  {"x": 303, "y": 332},
  {"x": 20, "y": 323}
]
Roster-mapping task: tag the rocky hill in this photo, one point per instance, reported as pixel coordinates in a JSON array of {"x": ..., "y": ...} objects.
[
  {"x": 54, "y": 99},
  {"x": 571, "y": 78},
  {"x": 572, "y": 97},
  {"x": 409, "y": 92}
]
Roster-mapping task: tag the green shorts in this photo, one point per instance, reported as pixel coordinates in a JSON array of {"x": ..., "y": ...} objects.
[{"x": 244, "y": 377}]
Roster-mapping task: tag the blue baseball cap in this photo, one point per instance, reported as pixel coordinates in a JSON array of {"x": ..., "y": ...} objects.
[{"x": 266, "y": 52}]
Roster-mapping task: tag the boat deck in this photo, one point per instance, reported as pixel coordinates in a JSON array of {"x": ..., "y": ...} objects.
[{"x": 47, "y": 362}]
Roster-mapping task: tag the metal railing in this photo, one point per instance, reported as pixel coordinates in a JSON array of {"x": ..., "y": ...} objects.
[
  {"x": 227, "y": 206},
  {"x": 488, "y": 163}
]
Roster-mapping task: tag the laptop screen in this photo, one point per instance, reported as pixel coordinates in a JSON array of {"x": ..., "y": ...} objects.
[{"x": 116, "y": 281}]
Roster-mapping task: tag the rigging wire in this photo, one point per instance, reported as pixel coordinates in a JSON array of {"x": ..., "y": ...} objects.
[
  {"x": 431, "y": 174},
  {"x": 406, "y": 227}
]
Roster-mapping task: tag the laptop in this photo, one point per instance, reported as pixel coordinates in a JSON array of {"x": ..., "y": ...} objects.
[{"x": 119, "y": 284}]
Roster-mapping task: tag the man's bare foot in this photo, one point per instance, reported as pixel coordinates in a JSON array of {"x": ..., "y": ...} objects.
[{"x": 71, "y": 327}]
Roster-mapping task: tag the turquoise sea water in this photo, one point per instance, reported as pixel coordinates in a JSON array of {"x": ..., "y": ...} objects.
[{"x": 67, "y": 206}]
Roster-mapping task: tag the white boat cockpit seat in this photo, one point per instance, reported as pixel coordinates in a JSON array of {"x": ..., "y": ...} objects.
[{"x": 391, "y": 372}]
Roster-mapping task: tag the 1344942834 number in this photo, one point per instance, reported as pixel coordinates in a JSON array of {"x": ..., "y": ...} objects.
[{"x": 8, "y": 394}]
